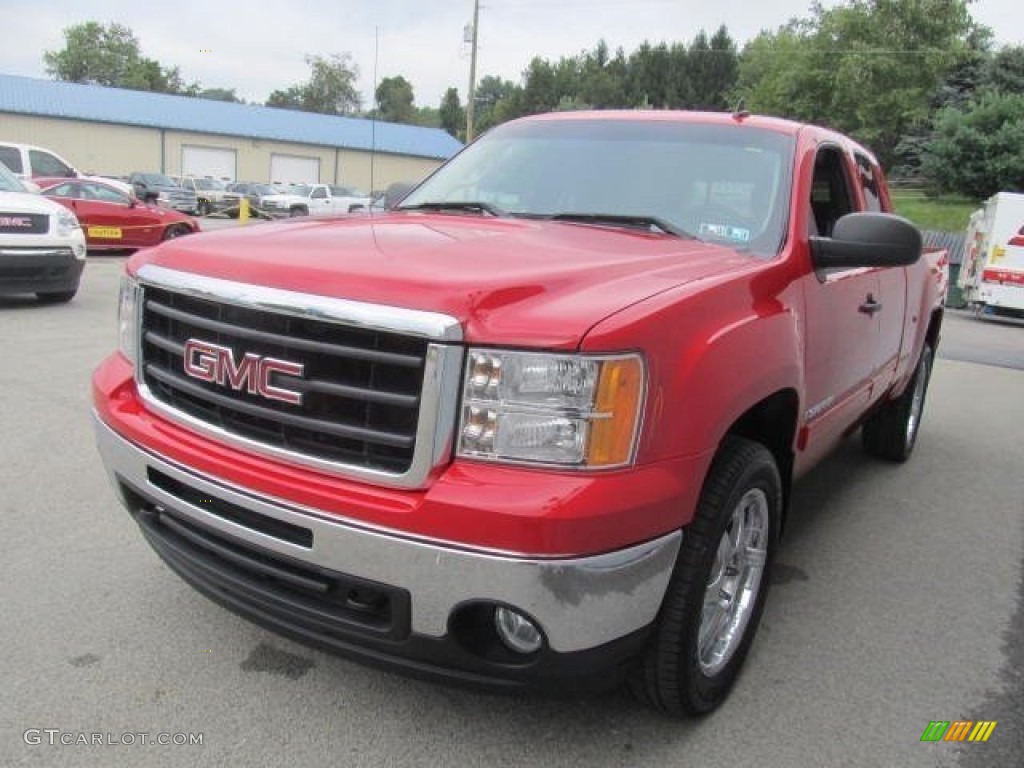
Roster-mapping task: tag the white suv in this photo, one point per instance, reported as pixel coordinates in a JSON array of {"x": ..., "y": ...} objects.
[{"x": 42, "y": 247}]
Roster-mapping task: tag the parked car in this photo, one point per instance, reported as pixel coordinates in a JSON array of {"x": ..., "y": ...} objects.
[
  {"x": 253, "y": 191},
  {"x": 42, "y": 248},
  {"x": 161, "y": 189},
  {"x": 27, "y": 160},
  {"x": 114, "y": 219},
  {"x": 212, "y": 195},
  {"x": 314, "y": 200}
]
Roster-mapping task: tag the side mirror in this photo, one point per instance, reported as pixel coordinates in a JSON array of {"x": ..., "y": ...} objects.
[{"x": 868, "y": 240}]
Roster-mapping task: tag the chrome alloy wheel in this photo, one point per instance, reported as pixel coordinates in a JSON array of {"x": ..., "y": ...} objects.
[
  {"x": 917, "y": 401},
  {"x": 734, "y": 582}
]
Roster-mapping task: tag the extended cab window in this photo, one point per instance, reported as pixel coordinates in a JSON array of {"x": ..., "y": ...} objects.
[
  {"x": 868, "y": 183},
  {"x": 718, "y": 183},
  {"x": 11, "y": 157},
  {"x": 45, "y": 164}
]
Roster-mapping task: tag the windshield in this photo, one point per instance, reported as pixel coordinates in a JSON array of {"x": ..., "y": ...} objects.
[
  {"x": 209, "y": 184},
  {"x": 722, "y": 183},
  {"x": 9, "y": 182},
  {"x": 156, "y": 180},
  {"x": 302, "y": 190}
]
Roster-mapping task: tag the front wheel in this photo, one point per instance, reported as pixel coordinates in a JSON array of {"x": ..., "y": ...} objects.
[
  {"x": 177, "y": 230},
  {"x": 891, "y": 431},
  {"x": 717, "y": 592}
]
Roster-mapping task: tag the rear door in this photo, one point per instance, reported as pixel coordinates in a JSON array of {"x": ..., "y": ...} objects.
[
  {"x": 892, "y": 283},
  {"x": 843, "y": 308}
]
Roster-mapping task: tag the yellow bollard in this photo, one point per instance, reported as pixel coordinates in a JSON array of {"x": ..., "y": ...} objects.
[{"x": 243, "y": 211}]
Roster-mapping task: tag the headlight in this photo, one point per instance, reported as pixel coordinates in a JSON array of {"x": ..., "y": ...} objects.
[
  {"x": 560, "y": 410},
  {"x": 67, "y": 222},
  {"x": 127, "y": 317}
]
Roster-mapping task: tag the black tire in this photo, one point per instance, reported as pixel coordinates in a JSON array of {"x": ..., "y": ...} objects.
[
  {"x": 891, "y": 432},
  {"x": 177, "y": 230},
  {"x": 298, "y": 211},
  {"x": 677, "y": 674},
  {"x": 56, "y": 297}
]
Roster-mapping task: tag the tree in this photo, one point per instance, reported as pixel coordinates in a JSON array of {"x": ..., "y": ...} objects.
[
  {"x": 866, "y": 67},
  {"x": 219, "y": 94},
  {"x": 109, "y": 55},
  {"x": 94, "y": 54},
  {"x": 395, "y": 100},
  {"x": 972, "y": 145},
  {"x": 330, "y": 89},
  {"x": 712, "y": 70},
  {"x": 453, "y": 116},
  {"x": 492, "y": 95},
  {"x": 540, "y": 93},
  {"x": 290, "y": 98},
  {"x": 978, "y": 152},
  {"x": 1004, "y": 71},
  {"x": 427, "y": 117}
]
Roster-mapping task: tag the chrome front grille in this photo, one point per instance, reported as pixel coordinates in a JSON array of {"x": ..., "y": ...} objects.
[{"x": 368, "y": 395}]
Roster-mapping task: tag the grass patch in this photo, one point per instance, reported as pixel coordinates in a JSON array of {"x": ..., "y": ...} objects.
[{"x": 947, "y": 214}]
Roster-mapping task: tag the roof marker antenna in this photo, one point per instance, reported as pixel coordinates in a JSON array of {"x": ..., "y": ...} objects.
[
  {"x": 740, "y": 112},
  {"x": 376, "y": 106}
]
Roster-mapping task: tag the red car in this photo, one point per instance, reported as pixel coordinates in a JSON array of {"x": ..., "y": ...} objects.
[{"x": 113, "y": 218}]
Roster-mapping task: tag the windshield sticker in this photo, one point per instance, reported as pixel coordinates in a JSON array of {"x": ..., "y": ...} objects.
[{"x": 725, "y": 232}]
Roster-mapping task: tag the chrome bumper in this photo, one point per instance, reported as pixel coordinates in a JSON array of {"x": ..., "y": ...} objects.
[{"x": 580, "y": 603}]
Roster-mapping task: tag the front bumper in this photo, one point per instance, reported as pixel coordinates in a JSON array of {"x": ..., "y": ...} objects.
[
  {"x": 421, "y": 606},
  {"x": 39, "y": 270}
]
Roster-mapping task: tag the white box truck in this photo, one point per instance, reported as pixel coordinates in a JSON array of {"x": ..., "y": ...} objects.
[{"x": 992, "y": 274}]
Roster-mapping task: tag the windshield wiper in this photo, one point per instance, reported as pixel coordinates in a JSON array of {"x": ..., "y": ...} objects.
[
  {"x": 624, "y": 220},
  {"x": 454, "y": 205}
]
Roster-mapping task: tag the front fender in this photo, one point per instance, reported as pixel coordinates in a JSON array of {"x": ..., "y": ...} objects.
[{"x": 713, "y": 351}]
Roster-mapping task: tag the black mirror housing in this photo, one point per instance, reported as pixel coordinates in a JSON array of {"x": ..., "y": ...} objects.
[{"x": 868, "y": 240}]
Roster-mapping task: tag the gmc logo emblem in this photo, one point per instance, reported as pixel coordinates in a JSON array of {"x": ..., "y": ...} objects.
[
  {"x": 216, "y": 364},
  {"x": 22, "y": 222}
]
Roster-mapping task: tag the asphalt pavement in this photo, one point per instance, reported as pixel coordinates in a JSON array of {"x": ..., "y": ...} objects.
[{"x": 899, "y": 600}]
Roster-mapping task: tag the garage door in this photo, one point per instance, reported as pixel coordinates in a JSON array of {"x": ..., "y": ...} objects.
[
  {"x": 292, "y": 169},
  {"x": 212, "y": 162}
]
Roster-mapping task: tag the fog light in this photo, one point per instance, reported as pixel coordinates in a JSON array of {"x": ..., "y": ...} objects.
[{"x": 516, "y": 631}]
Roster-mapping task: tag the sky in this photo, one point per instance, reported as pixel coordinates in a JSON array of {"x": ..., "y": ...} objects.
[{"x": 256, "y": 46}]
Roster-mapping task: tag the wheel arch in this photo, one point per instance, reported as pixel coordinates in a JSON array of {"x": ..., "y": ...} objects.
[
  {"x": 933, "y": 333},
  {"x": 772, "y": 422}
]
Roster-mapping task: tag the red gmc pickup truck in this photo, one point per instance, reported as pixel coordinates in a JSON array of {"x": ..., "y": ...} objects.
[{"x": 536, "y": 427}]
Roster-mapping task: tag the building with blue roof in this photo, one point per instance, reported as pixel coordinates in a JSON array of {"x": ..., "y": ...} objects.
[{"x": 113, "y": 131}]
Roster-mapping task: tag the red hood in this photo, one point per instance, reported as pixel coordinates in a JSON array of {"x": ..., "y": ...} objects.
[{"x": 508, "y": 281}]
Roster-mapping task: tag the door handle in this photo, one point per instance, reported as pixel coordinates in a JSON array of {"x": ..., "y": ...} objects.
[{"x": 870, "y": 305}]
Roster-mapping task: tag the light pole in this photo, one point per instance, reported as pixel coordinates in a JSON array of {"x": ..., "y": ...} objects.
[{"x": 472, "y": 75}]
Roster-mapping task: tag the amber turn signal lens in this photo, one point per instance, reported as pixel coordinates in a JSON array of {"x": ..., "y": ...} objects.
[{"x": 617, "y": 409}]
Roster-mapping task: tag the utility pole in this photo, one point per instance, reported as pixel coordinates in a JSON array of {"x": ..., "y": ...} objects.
[{"x": 472, "y": 75}]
